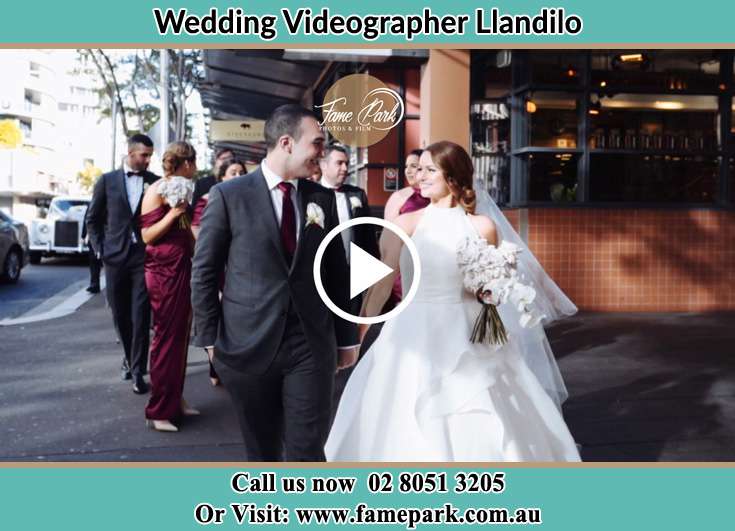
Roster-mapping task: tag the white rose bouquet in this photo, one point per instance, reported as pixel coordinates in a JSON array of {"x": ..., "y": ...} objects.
[
  {"x": 490, "y": 273},
  {"x": 177, "y": 190}
]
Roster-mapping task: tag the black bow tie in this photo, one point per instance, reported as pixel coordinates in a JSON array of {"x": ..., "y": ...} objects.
[{"x": 133, "y": 173}]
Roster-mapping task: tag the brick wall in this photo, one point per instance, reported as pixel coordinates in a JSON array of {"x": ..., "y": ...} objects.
[{"x": 637, "y": 260}]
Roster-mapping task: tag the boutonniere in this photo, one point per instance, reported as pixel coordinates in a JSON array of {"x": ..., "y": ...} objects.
[
  {"x": 355, "y": 202},
  {"x": 145, "y": 187},
  {"x": 314, "y": 215}
]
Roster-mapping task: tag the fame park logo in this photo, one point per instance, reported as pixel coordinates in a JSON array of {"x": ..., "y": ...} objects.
[{"x": 359, "y": 110}]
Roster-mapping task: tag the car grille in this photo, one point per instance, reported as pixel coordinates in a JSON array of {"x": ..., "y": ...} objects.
[{"x": 66, "y": 234}]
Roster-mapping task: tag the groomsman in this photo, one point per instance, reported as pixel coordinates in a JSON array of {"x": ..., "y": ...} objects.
[
  {"x": 202, "y": 186},
  {"x": 114, "y": 233},
  {"x": 352, "y": 201}
]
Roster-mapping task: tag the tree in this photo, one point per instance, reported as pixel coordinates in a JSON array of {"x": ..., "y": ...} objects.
[
  {"x": 10, "y": 134},
  {"x": 133, "y": 80},
  {"x": 88, "y": 176}
]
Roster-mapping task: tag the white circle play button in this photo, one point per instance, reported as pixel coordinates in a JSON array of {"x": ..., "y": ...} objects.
[{"x": 366, "y": 270}]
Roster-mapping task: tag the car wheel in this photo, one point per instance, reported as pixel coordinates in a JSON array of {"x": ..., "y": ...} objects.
[
  {"x": 11, "y": 268},
  {"x": 35, "y": 257}
]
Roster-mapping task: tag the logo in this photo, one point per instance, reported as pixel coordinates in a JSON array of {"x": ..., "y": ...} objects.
[
  {"x": 359, "y": 110},
  {"x": 366, "y": 270}
]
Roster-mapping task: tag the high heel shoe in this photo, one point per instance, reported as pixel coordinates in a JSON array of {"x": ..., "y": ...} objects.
[
  {"x": 214, "y": 381},
  {"x": 161, "y": 425},
  {"x": 187, "y": 410}
]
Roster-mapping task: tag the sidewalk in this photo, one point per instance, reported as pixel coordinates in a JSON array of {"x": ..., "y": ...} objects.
[
  {"x": 650, "y": 387},
  {"x": 642, "y": 387}
]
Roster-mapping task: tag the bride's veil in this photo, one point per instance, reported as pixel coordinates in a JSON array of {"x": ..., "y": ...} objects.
[{"x": 550, "y": 301}]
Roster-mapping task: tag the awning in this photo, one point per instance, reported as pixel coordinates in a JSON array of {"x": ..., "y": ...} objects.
[{"x": 240, "y": 84}]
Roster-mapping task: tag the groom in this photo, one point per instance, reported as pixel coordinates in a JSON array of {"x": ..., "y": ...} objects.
[{"x": 276, "y": 345}]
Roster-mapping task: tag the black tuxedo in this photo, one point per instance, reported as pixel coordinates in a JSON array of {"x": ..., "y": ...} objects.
[
  {"x": 275, "y": 340},
  {"x": 114, "y": 234},
  {"x": 201, "y": 188},
  {"x": 95, "y": 263},
  {"x": 362, "y": 235}
]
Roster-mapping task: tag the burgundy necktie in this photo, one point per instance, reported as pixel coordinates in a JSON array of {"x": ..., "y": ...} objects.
[{"x": 288, "y": 220}]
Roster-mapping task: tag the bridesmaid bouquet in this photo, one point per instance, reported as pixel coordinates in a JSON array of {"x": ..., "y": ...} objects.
[
  {"x": 491, "y": 274},
  {"x": 177, "y": 190}
]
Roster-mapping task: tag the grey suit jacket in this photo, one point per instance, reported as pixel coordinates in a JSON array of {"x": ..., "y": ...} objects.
[{"x": 240, "y": 237}]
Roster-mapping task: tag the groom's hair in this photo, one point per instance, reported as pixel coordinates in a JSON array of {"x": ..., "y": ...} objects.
[{"x": 285, "y": 120}]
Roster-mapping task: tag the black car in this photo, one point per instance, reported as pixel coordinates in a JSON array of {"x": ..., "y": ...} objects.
[{"x": 13, "y": 248}]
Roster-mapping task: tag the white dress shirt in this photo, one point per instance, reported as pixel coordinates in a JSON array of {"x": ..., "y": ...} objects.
[
  {"x": 133, "y": 187},
  {"x": 343, "y": 211},
  {"x": 272, "y": 181}
]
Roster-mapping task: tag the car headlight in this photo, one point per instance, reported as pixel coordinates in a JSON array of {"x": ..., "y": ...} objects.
[{"x": 43, "y": 229}]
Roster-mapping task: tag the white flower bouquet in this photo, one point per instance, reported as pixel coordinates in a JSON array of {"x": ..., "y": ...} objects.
[
  {"x": 177, "y": 190},
  {"x": 490, "y": 273}
]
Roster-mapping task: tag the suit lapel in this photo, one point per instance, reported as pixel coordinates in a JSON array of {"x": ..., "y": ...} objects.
[
  {"x": 348, "y": 196},
  {"x": 263, "y": 204}
]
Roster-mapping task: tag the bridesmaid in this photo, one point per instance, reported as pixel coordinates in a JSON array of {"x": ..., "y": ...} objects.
[
  {"x": 228, "y": 169},
  {"x": 406, "y": 200},
  {"x": 409, "y": 198},
  {"x": 169, "y": 248}
]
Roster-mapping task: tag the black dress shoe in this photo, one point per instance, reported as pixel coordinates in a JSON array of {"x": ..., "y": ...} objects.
[
  {"x": 93, "y": 289},
  {"x": 139, "y": 385},
  {"x": 125, "y": 371}
]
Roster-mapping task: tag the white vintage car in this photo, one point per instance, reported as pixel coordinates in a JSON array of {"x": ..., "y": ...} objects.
[{"x": 60, "y": 231}]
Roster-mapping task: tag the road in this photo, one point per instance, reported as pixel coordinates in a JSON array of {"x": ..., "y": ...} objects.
[{"x": 39, "y": 283}]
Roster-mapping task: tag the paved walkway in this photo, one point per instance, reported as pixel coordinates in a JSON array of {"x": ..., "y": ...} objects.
[{"x": 643, "y": 388}]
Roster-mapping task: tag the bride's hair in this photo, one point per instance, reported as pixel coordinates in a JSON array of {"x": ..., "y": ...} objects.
[
  {"x": 457, "y": 167},
  {"x": 175, "y": 155}
]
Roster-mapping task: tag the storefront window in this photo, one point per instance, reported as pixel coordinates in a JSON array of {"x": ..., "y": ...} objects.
[
  {"x": 622, "y": 126},
  {"x": 552, "y": 119},
  {"x": 649, "y": 122},
  {"x": 656, "y": 70},
  {"x": 653, "y": 178},
  {"x": 490, "y": 123},
  {"x": 551, "y": 68},
  {"x": 553, "y": 177}
]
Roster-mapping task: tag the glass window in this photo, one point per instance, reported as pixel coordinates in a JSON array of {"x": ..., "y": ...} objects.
[
  {"x": 656, "y": 70},
  {"x": 552, "y": 68},
  {"x": 654, "y": 122},
  {"x": 552, "y": 177},
  {"x": 490, "y": 128},
  {"x": 552, "y": 119},
  {"x": 653, "y": 178}
]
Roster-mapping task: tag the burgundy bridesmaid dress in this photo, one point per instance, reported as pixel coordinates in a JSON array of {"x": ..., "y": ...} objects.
[
  {"x": 196, "y": 217},
  {"x": 414, "y": 202},
  {"x": 167, "y": 277}
]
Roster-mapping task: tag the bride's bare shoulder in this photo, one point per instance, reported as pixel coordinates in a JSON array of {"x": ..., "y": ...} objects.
[
  {"x": 485, "y": 227},
  {"x": 409, "y": 221}
]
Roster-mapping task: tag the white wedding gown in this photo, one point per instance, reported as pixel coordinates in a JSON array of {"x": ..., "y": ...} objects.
[{"x": 424, "y": 392}]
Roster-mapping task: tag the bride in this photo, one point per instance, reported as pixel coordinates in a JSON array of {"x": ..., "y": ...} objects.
[{"x": 435, "y": 395}]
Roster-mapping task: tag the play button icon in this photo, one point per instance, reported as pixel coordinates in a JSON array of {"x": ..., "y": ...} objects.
[{"x": 366, "y": 270}]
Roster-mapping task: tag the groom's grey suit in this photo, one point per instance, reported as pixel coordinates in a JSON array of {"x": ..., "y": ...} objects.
[{"x": 275, "y": 341}]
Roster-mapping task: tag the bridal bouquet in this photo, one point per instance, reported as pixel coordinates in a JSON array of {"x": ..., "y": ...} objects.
[
  {"x": 491, "y": 274},
  {"x": 175, "y": 191}
]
